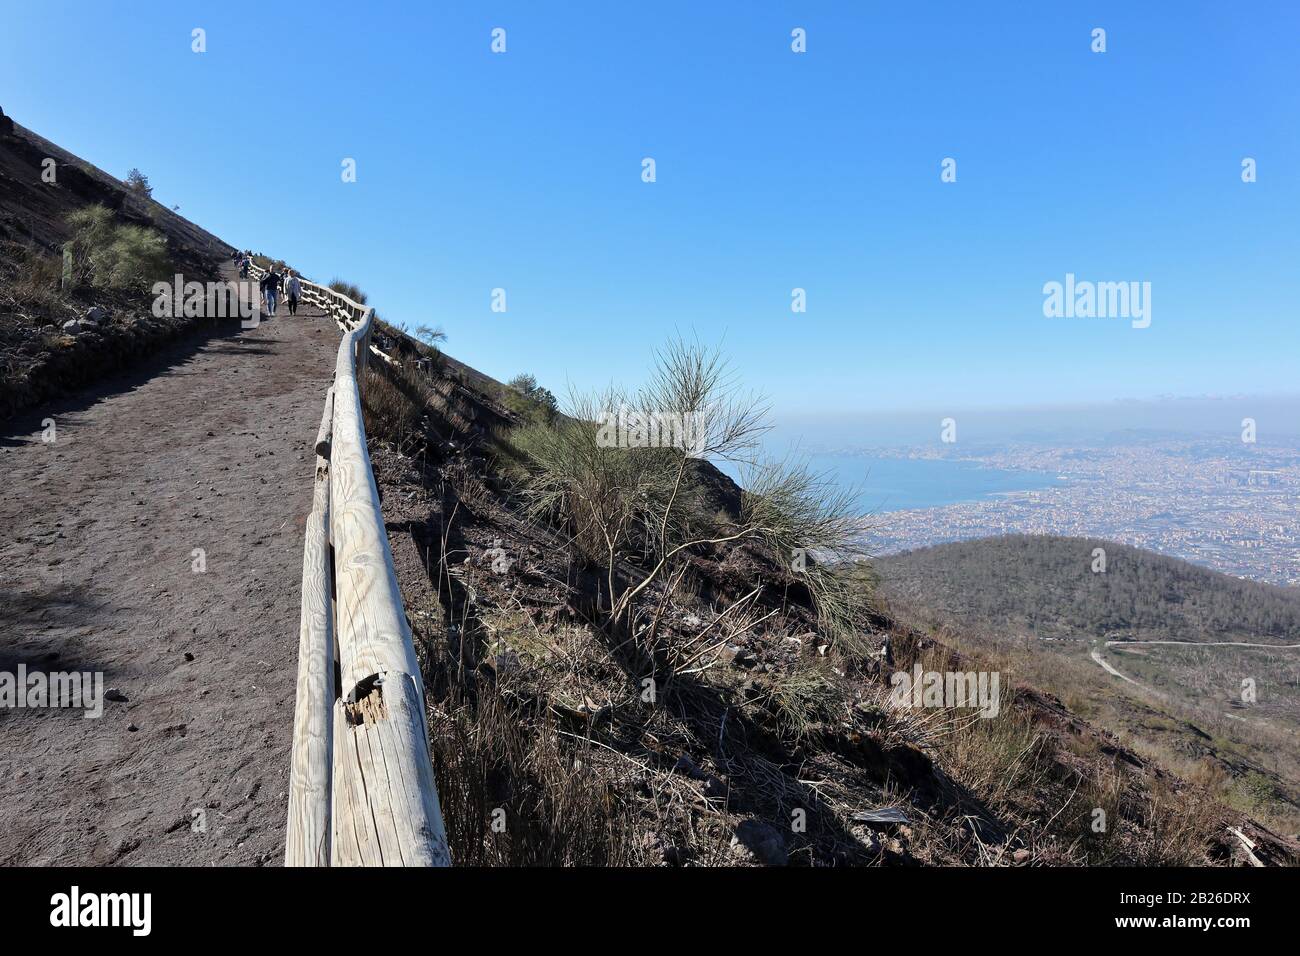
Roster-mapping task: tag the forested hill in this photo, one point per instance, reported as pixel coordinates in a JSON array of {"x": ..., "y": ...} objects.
[{"x": 1046, "y": 584}]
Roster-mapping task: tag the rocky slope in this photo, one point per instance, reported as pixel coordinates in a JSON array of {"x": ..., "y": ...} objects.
[{"x": 765, "y": 742}]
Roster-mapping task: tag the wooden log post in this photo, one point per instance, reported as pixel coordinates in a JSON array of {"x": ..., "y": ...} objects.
[
  {"x": 385, "y": 803},
  {"x": 310, "y": 774}
]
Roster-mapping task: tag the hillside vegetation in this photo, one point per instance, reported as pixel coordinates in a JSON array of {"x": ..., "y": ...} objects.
[
  {"x": 624, "y": 665},
  {"x": 58, "y": 335},
  {"x": 1046, "y": 585},
  {"x": 1035, "y": 604}
]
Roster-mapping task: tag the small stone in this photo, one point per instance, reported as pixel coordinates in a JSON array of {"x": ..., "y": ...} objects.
[
  {"x": 739, "y": 656},
  {"x": 715, "y": 788},
  {"x": 685, "y": 765},
  {"x": 761, "y": 842},
  {"x": 114, "y": 694}
]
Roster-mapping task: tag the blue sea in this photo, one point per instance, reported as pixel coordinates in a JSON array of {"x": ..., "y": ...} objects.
[{"x": 898, "y": 484}]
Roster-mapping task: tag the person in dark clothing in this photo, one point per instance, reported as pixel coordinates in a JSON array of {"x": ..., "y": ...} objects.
[{"x": 270, "y": 286}]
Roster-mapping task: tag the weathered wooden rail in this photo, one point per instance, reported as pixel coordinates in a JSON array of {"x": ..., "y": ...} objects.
[{"x": 361, "y": 787}]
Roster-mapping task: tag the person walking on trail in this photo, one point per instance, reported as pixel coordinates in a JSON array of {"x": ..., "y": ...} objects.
[
  {"x": 292, "y": 291},
  {"x": 270, "y": 286},
  {"x": 243, "y": 267}
]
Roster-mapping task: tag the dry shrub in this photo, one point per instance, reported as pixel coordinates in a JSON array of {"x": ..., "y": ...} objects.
[
  {"x": 550, "y": 805},
  {"x": 390, "y": 414},
  {"x": 37, "y": 281},
  {"x": 1176, "y": 825},
  {"x": 116, "y": 255},
  {"x": 806, "y": 696},
  {"x": 620, "y": 472},
  {"x": 348, "y": 289}
]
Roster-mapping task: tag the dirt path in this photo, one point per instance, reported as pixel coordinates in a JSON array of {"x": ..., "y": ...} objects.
[
  {"x": 1096, "y": 656},
  {"x": 207, "y": 447}
]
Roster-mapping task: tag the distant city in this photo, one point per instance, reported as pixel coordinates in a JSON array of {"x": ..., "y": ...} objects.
[{"x": 1224, "y": 504}]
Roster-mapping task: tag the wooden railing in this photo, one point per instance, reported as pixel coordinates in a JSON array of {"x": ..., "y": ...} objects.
[{"x": 361, "y": 787}]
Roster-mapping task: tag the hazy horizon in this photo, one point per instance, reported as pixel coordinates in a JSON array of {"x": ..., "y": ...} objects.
[{"x": 1277, "y": 418}]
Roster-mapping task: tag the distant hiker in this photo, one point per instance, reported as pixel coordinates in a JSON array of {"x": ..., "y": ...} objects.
[
  {"x": 270, "y": 286},
  {"x": 243, "y": 268},
  {"x": 292, "y": 290}
]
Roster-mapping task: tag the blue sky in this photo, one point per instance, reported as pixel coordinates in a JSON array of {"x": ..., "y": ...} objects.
[{"x": 775, "y": 170}]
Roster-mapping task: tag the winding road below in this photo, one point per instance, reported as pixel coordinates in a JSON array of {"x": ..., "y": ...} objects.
[{"x": 1271, "y": 647}]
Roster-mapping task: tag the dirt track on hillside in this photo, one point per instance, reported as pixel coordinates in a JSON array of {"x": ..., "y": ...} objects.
[{"x": 205, "y": 447}]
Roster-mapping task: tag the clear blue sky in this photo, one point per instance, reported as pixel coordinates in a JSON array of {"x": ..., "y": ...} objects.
[{"x": 775, "y": 170}]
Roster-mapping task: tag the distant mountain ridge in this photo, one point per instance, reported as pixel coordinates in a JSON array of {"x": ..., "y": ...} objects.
[{"x": 1046, "y": 584}]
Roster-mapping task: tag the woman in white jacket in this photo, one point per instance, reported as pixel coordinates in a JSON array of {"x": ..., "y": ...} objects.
[{"x": 292, "y": 290}]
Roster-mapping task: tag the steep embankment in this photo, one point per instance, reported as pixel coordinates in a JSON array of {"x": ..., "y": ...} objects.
[
  {"x": 40, "y": 185},
  {"x": 763, "y": 740},
  {"x": 32, "y": 207}
]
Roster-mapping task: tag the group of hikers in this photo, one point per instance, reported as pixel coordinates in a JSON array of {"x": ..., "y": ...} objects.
[{"x": 273, "y": 284}]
